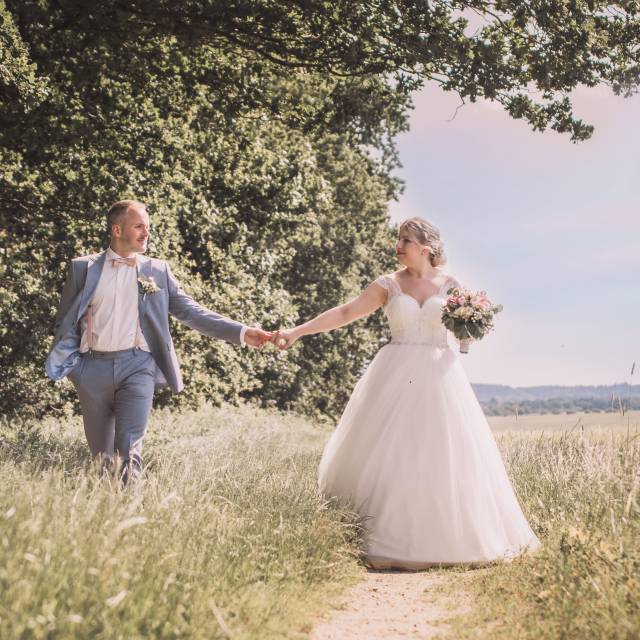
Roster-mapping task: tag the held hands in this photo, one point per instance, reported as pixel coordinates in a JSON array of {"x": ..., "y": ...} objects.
[
  {"x": 257, "y": 338},
  {"x": 283, "y": 339}
]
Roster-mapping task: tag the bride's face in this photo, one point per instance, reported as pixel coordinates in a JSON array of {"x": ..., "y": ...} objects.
[{"x": 409, "y": 251}]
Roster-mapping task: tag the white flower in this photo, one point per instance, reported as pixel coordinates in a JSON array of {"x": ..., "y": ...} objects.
[
  {"x": 463, "y": 312},
  {"x": 147, "y": 285}
]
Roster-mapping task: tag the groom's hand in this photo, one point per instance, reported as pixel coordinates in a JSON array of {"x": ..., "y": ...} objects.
[{"x": 257, "y": 338}]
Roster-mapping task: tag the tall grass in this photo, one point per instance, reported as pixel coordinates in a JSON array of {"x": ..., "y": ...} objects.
[
  {"x": 225, "y": 537},
  {"x": 581, "y": 494}
]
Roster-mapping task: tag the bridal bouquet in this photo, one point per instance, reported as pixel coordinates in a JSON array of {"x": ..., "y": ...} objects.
[{"x": 468, "y": 315}]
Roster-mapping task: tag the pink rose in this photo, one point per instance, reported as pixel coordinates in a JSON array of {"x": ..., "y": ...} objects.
[
  {"x": 481, "y": 302},
  {"x": 461, "y": 300}
]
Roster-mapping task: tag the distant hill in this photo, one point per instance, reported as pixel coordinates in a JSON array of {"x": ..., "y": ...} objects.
[
  {"x": 499, "y": 399},
  {"x": 503, "y": 393}
]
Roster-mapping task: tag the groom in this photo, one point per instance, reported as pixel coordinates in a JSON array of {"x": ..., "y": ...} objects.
[{"x": 112, "y": 336}]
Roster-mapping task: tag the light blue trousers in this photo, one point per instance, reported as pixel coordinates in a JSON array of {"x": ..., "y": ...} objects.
[{"x": 116, "y": 392}]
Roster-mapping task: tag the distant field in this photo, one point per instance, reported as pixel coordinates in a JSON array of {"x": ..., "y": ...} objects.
[{"x": 567, "y": 422}]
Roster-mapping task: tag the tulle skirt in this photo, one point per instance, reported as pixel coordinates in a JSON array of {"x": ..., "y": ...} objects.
[{"x": 413, "y": 454}]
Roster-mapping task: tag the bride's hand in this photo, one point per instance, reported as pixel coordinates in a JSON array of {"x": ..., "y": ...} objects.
[{"x": 285, "y": 338}]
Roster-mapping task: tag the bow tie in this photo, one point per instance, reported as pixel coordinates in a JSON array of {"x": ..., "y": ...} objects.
[{"x": 119, "y": 262}]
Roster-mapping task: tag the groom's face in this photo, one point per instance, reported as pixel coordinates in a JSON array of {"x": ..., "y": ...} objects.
[{"x": 133, "y": 231}]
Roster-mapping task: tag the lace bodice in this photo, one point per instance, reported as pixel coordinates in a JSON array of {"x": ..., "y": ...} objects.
[{"x": 411, "y": 322}]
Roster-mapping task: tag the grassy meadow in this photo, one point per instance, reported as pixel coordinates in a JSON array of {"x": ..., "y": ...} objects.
[
  {"x": 578, "y": 480},
  {"x": 227, "y": 537}
]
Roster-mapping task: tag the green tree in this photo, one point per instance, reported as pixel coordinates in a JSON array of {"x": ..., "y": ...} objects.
[
  {"x": 521, "y": 48},
  {"x": 254, "y": 199},
  {"x": 261, "y": 135},
  {"x": 19, "y": 81}
]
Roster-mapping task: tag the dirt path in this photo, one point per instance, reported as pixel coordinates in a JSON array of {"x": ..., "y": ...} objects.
[{"x": 390, "y": 604}]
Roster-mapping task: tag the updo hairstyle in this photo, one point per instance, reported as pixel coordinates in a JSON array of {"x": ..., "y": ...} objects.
[{"x": 426, "y": 233}]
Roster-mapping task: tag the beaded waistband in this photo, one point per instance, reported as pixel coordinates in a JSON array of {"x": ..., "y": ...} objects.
[{"x": 440, "y": 345}]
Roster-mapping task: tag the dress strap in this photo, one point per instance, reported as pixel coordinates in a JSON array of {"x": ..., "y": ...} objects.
[{"x": 389, "y": 284}]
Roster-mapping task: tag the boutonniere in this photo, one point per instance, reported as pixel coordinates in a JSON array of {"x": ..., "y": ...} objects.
[{"x": 147, "y": 285}]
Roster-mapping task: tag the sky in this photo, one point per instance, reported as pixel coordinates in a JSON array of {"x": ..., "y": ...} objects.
[{"x": 549, "y": 228}]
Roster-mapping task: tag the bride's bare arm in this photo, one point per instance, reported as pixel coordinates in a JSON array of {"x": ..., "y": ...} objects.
[{"x": 373, "y": 297}]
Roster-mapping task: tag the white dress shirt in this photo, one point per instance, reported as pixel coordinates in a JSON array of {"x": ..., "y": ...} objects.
[{"x": 115, "y": 309}]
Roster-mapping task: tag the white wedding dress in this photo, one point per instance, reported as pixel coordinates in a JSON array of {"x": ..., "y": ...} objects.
[{"x": 413, "y": 453}]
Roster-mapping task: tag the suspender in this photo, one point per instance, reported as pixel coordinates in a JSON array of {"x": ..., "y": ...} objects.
[
  {"x": 90, "y": 326},
  {"x": 138, "y": 339},
  {"x": 89, "y": 314},
  {"x": 136, "y": 342}
]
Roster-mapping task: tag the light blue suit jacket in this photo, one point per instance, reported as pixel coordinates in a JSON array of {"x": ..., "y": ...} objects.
[{"x": 153, "y": 308}]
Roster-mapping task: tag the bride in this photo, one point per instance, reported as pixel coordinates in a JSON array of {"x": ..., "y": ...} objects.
[{"x": 413, "y": 453}]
